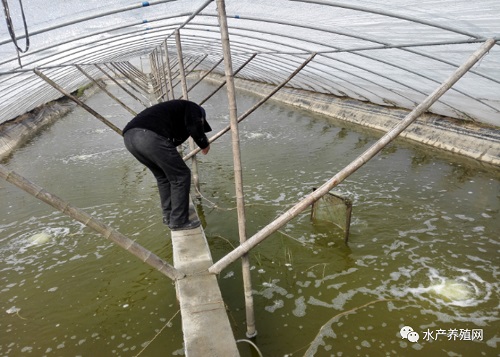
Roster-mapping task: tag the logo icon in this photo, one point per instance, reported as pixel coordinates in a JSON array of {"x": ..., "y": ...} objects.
[{"x": 407, "y": 333}]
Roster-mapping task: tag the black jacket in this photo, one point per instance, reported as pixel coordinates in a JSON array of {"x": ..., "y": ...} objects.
[{"x": 175, "y": 120}]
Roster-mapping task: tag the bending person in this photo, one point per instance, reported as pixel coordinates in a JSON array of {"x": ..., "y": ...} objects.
[{"x": 152, "y": 138}]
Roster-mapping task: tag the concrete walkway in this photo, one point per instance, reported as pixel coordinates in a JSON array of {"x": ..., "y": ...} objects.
[{"x": 205, "y": 324}]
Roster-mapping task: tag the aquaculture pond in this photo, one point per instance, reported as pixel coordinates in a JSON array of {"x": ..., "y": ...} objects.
[{"x": 419, "y": 275}]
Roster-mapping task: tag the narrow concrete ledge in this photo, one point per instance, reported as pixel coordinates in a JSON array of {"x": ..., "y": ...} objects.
[{"x": 205, "y": 324}]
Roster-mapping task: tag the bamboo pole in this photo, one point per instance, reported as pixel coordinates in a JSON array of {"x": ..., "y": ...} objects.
[
  {"x": 79, "y": 215},
  {"x": 154, "y": 76},
  {"x": 104, "y": 89},
  {"x": 126, "y": 75},
  {"x": 224, "y": 82},
  {"x": 206, "y": 74},
  {"x": 169, "y": 72},
  {"x": 159, "y": 67},
  {"x": 194, "y": 67},
  {"x": 119, "y": 85},
  {"x": 193, "y": 15},
  {"x": 133, "y": 72},
  {"x": 158, "y": 74},
  {"x": 143, "y": 86},
  {"x": 137, "y": 79},
  {"x": 354, "y": 165},
  {"x": 194, "y": 161},
  {"x": 163, "y": 75},
  {"x": 188, "y": 63},
  {"x": 252, "y": 109},
  {"x": 180, "y": 64},
  {"x": 118, "y": 73},
  {"x": 238, "y": 171},
  {"x": 78, "y": 101},
  {"x": 136, "y": 72}
]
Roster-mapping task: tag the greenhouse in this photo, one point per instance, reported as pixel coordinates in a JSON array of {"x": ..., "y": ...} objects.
[{"x": 349, "y": 205}]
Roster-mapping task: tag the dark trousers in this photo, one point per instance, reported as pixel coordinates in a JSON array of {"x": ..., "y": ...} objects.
[{"x": 171, "y": 172}]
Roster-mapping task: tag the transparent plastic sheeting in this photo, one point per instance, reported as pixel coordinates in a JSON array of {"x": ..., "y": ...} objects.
[{"x": 389, "y": 52}]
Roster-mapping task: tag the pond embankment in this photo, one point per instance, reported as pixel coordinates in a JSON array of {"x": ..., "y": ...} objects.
[
  {"x": 470, "y": 139},
  {"x": 15, "y": 132}
]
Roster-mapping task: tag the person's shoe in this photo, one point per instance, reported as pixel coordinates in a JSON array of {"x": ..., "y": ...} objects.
[{"x": 185, "y": 226}]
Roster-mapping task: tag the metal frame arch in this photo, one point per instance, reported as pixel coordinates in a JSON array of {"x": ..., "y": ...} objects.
[
  {"x": 305, "y": 85},
  {"x": 366, "y": 39},
  {"x": 352, "y": 84},
  {"x": 330, "y": 74},
  {"x": 388, "y": 14}
]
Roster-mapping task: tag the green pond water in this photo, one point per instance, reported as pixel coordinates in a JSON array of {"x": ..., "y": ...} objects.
[{"x": 418, "y": 277}]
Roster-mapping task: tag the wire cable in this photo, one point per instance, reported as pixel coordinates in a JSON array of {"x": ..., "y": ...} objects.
[{"x": 10, "y": 26}]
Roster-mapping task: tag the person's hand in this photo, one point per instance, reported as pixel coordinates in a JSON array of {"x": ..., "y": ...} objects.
[{"x": 205, "y": 150}]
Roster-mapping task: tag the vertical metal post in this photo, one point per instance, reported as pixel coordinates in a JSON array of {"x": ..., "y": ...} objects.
[
  {"x": 194, "y": 161},
  {"x": 169, "y": 72},
  {"x": 238, "y": 176}
]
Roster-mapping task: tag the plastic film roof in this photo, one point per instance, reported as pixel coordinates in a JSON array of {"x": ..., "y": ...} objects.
[{"x": 388, "y": 52}]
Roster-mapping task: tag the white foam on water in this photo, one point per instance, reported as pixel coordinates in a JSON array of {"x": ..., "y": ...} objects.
[
  {"x": 89, "y": 157},
  {"x": 47, "y": 235},
  {"x": 451, "y": 290},
  {"x": 40, "y": 238},
  {"x": 257, "y": 135},
  {"x": 428, "y": 229},
  {"x": 464, "y": 217},
  {"x": 300, "y": 307},
  {"x": 272, "y": 288},
  {"x": 463, "y": 290},
  {"x": 278, "y": 304}
]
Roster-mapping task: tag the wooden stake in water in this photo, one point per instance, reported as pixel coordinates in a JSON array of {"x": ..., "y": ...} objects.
[
  {"x": 194, "y": 161},
  {"x": 238, "y": 176}
]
